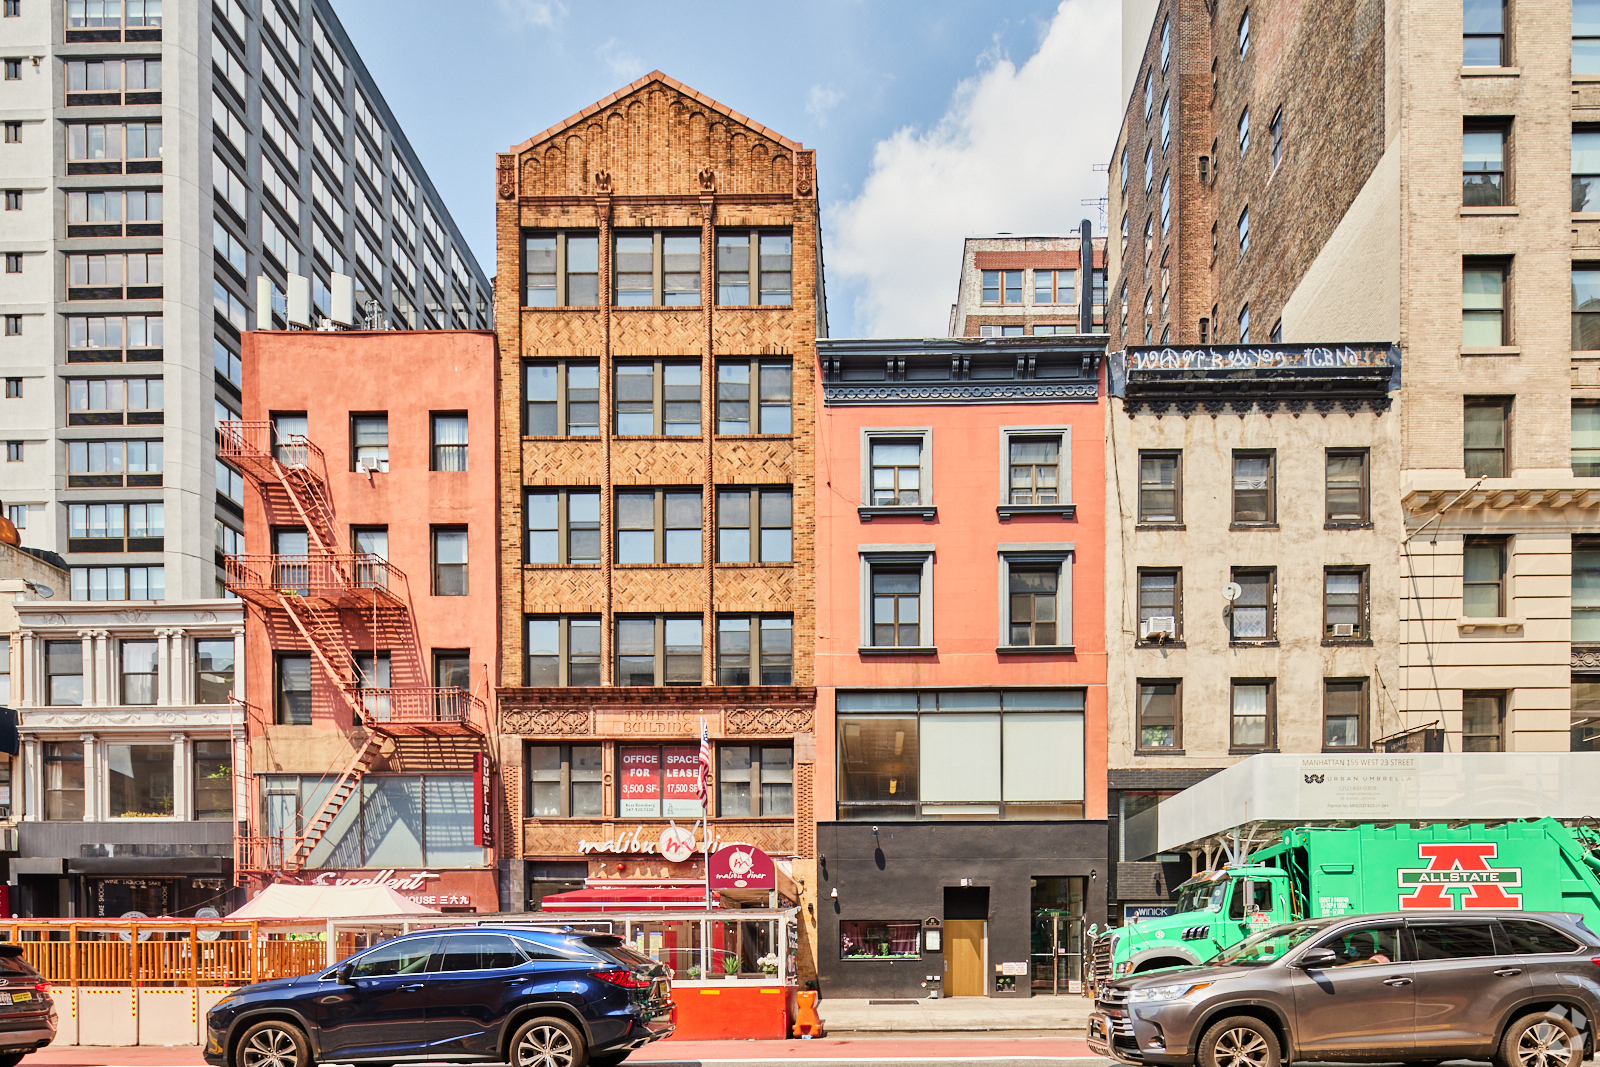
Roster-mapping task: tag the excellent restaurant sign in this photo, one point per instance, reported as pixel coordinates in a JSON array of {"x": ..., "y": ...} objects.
[{"x": 435, "y": 889}]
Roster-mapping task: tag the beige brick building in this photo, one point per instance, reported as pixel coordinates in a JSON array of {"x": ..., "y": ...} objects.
[
  {"x": 658, "y": 301},
  {"x": 1413, "y": 172}
]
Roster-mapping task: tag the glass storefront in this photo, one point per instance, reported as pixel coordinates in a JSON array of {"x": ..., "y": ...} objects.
[{"x": 1057, "y": 935}]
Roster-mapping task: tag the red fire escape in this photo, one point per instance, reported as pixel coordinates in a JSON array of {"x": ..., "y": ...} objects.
[{"x": 317, "y": 597}]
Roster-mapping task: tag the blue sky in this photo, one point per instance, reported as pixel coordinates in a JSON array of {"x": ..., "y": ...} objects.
[{"x": 930, "y": 119}]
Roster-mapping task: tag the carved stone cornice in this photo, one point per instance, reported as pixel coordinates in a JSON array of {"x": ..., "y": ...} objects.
[
  {"x": 768, "y": 721},
  {"x": 1586, "y": 657},
  {"x": 952, "y": 392},
  {"x": 592, "y": 697},
  {"x": 546, "y": 722},
  {"x": 1217, "y": 379},
  {"x": 1423, "y": 503}
]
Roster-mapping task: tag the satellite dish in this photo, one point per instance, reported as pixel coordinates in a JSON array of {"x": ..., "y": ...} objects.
[{"x": 1231, "y": 592}]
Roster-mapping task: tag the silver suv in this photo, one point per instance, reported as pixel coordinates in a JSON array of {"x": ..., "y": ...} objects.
[{"x": 1519, "y": 988}]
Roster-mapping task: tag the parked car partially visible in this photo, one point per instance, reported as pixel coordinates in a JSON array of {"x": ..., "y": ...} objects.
[
  {"x": 27, "y": 1013},
  {"x": 502, "y": 994}
]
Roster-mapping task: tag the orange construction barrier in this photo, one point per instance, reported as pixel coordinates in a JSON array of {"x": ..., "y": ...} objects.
[{"x": 806, "y": 1023}]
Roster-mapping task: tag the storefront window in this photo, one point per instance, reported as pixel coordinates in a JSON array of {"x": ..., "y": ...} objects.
[
  {"x": 213, "y": 778},
  {"x": 395, "y": 821},
  {"x": 862, "y": 939},
  {"x": 63, "y": 780},
  {"x": 676, "y": 944},
  {"x": 658, "y": 781},
  {"x": 140, "y": 781},
  {"x": 1009, "y": 754}
]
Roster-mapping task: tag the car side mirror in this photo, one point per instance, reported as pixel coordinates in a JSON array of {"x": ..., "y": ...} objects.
[
  {"x": 344, "y": 974},
  {"x": 1317, "y": 957}
]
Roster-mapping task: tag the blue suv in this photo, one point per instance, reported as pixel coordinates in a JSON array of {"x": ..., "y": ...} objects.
[{"x": 527, "y": 996}]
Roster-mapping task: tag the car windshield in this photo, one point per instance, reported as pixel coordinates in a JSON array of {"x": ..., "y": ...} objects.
[
  {"x": 1268, "y": 945},
  {"x": 1203, "y": 896}
]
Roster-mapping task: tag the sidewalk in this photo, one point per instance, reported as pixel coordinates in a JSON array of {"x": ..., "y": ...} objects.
[{"x": 1067, "y": 1015}]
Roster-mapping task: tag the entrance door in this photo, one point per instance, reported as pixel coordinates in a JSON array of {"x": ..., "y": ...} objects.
[
  {"x": 963, "y": 957},
  {"x": 1057, "y": 932}
]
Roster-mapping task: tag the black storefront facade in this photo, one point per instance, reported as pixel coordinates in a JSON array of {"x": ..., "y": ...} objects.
[
  {"x": 997, "y": 908},
  {"x": 109, "y": 869}
]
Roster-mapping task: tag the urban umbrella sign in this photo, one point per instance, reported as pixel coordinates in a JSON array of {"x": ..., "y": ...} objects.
[{"x": 741, "y": 867}]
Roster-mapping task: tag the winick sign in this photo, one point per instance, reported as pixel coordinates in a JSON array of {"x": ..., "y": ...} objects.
[{"x": 1456, "y": 867}]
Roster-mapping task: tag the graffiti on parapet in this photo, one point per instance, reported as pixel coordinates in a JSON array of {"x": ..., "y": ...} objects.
[{"x": 1248, "y": 358}]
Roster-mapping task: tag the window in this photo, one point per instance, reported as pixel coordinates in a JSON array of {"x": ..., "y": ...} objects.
[
  {"x": 13, "y": 451},
  {"x": 1483, "y": 165},
  {"x": 1124, "y": 216},
  {"x": 1275, "y": 130},
  {"x": 1149, "y": 171},
  {"x": 1160, "y": 487},
  {"x": 1244, "y": 131},
  {"x": 1483, "y": 317},
  {"x": 1585, "y": 308},
  {"x": 772, "y": 263},
  {"x": 771, "y": 413},
  {"x": 230, "y": 483},
  {"x": 1160, "y": 605},
  {"x": 369, "y": 442},
  {"x": 1035, "y": 613},
  {"x": 565, "y": 781},
  {"x": 960, "y": 754},
  {"x": 213, "y": 780},
  {"x": 896, "y": 472},
  {"x": 1344, "y": 714},
  {"x": 1253, "y": 616},
  {"x": 658, "y": 526},
  {"x": 563, "y": 526},
  {"x": 1002, "y": 287},
  {"x": 1483, "y": 25},
  {"x": 13, "y": 199},
  {"x": 1586, "y": 438},
  {"x": 655, "y": 269},
  {"x": 1124, "y": 165},
  {"x": 117, "y": 332},
  {"x": 1486, "y": 423},
  {"x": 1585, "y": 715},
  {"x": 896, "y": 606},
  {"x": 213, "y": 681},
  {"x": 755, "y": 650},
  {"x": 1244, "y": 34},
  {"x": 1160, "y": 715},
  {"x": 102, "y": 277},
  {"x": 1483, "y": 721},
  {"x": 1166, "y": 122},
  {"x": 1585, "y": 592},
  {"x": 294, "y": 691},
  {"x": 449, "y": 561},
  {"x": 92, "y": 143},
  {"x": 13, "y": 262},
  {"x": 1344, "y": 603},
  {"x": 563, "y": 399},
  {"x": 659, "y": 651},
  {"x": 63, "y": 780},
  {"x": 118, "y": 583},
  {"x": 1166, "y": 206},
  {"x": 1586, "y": 37},
  {"x": 452, "y": 669},
  {"x": 140, "y": 780},
  {"x": 656, "y": 399},
  {"x": 13, "y": 388},
  {"x": 1253, "y": 725},
  {"x": 562, "y": 651},
  {"x": 754, "y": 525},
  {"x": 1166, "y": 42},
  {"x": 13, "y": 8},
  {"x": 1149, "y": 250},
  {"x": 14, "y": 133},
  {"x": 1034, "y": 469},
  {"x": 1346, "y": 491},
  {"x": 1149, "y": 94},
  {"x": 449, "y": 445},
  {"x": 115, "y": 521},
  {"x": 1483, "y": 577},
  {"x": 755, "y": 781},
  {"x": 5, "y": 671},
  {"x": 561, "y": 269},
  {"x": 1056, "y": 286},
  {"x": 1255, "y": 488},
  {"x": 1244, "y": 236},
  {"x": 1535, "y": 938},
  {"x": 645, "y": 792},
  {"x": 63, "y": 669}
]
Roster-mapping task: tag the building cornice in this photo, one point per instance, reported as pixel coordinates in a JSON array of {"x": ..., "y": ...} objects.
[{"x": 1241, "y": 379}]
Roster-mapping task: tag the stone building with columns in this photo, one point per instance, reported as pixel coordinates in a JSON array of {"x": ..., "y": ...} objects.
[{"x": 129, "y": 741}]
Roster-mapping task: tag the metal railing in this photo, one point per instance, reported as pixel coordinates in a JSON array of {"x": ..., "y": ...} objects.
[
  {"x": 253, "y": 441},
  {"x": 319, "y": 576},
  {"x": 420, "y": 704}
]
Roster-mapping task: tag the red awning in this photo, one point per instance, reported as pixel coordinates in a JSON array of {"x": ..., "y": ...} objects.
[{"x": 676, "y": 898}]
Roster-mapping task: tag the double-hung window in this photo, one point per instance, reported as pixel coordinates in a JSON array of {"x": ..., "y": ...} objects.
[
  {"x": 449, "y": 445},
  {"x": 659, "y": 650},
  {"x": 1585, "y": 307},
  {"x": 1160, "y": 715},
  {"x": 1483, "y": 26},
  {"x": 1255, "y": 488},
  {"x": 1585, "y": 37},
  {"x": 1036, "y": 594},
  {"x": 896, "y": 600},
  {"x": 369, "y": 442},
  {"x": 140, "y": 675},
  {"x": 449, "y": 561},
  {"x": 754, "y": 397},
  {"x": 1483, "y": 164},
  {"x": 1586, "y": 438},
  {"x": 561, "y": 268},
  {"x": 1057, "y": 286},
  {"x": 1253, "y": 725},
  {"x": 755, "y": 650},
  {"x": 1585, "y": 592},
  {"x": 1483, "y": 721},
  {"x": 1344, "y": 604},
  {"x": 1160, "y": 487},
  {"x": 562, "y": 650},
  {"x": 896, "y": 469},
  {"x": 657, "y": 269},
  {"x": 562, "y": 399},
  {"x": 294, "y": 690},
  {"x": 1037, "y": 471},
  {"x": 1160, "y": 605},
  {"x": 1002, "y": 286},
  {"x": 1346, "y": 489},
  {"x": 755, "y": 781},
  {"x": 1485, "y": 435},
  {"x": 1252, "y": 616},
  {"x": 1344, "y": 713},
  {"x": 563, "y": 526},
  {"x": 566, "y": 781},
  {"x": 755, "y": 525},
  {"x": 754, "y": 267},
  {"x": 1585, "y": 168},
  {"x": 658, "y": 526},
  {"x": 1483, "y": 577},
  {"x": 658, "y": 399},
  {"x": 63, "y": 670},
  {"x": 1483, "y": 305}
]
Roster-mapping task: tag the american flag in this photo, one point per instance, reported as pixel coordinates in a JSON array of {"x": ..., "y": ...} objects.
[{"x": 705, "y": 763}]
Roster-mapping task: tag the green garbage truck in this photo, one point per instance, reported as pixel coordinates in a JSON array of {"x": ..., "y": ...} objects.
[{"x": 1311, "y": 872}]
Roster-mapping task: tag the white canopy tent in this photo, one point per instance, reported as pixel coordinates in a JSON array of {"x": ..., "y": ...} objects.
[{"x": 328, "y": 902}]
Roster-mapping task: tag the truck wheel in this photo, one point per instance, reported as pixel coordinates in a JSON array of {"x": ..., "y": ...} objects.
[
  {"x": 1244, "y": 1041},
  {"x": 1543, "y": 1039}
]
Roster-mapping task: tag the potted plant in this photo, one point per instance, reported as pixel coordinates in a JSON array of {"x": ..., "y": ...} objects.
[
  {"x": 768, "y": 963},
  {"x": 730, "y": 965}
]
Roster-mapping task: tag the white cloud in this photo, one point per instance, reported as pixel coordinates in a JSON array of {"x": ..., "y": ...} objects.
[
  {"x": 1013, "y": 152},
  {"x": 823, "y": 99},
  {"x": 538, "y": 13},
  {"x": 623, "y": 63}
]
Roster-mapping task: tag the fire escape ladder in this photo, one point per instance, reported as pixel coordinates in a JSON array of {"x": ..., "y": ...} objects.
[
  {"x": 344, "y": 787},
  {"x": 308, "y": 494},
  {"x": 319, "y": 627}
]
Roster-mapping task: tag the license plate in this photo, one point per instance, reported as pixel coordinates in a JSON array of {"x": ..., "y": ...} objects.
[
  {"x": 1096, "y": 1026},
  {"x": 21, "y": 998}
]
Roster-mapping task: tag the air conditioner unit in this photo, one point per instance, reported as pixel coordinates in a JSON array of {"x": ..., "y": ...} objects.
[
  {"x": 371, "y": 464},
  {"x": 1344, "y": 629},
  {"x": 1157, "y": 627}
]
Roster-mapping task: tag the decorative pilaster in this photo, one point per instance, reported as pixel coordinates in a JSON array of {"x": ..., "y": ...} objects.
[
  {"x": 182, "y": 777},
  {"x": 608, "y": 426},
  {"x": 90, "y": 650},
  {"x": 708, "y": 420},
  {"x": 31, "y": 664},
  {"x": 32, "y": 779},
  {"x": 92, "y": 777},
  {"x": 239, "y": 689}
]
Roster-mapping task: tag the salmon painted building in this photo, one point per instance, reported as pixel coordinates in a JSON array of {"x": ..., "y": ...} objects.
[
  {"x": 364, "y": 470},
  {"x": 961, "y": 702}
]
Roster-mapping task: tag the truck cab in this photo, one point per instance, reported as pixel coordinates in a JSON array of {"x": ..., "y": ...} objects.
[{"x": 1215, "y": 910}]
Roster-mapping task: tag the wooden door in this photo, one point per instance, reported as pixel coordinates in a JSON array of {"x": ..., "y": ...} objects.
[{"x": 963, "y": 958}]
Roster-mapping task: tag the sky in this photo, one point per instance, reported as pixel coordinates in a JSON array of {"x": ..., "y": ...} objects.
[{"x": 931, "y": 120}]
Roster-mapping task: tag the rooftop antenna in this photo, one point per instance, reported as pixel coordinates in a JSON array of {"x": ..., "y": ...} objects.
[{"x": 374, "y": 318}]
